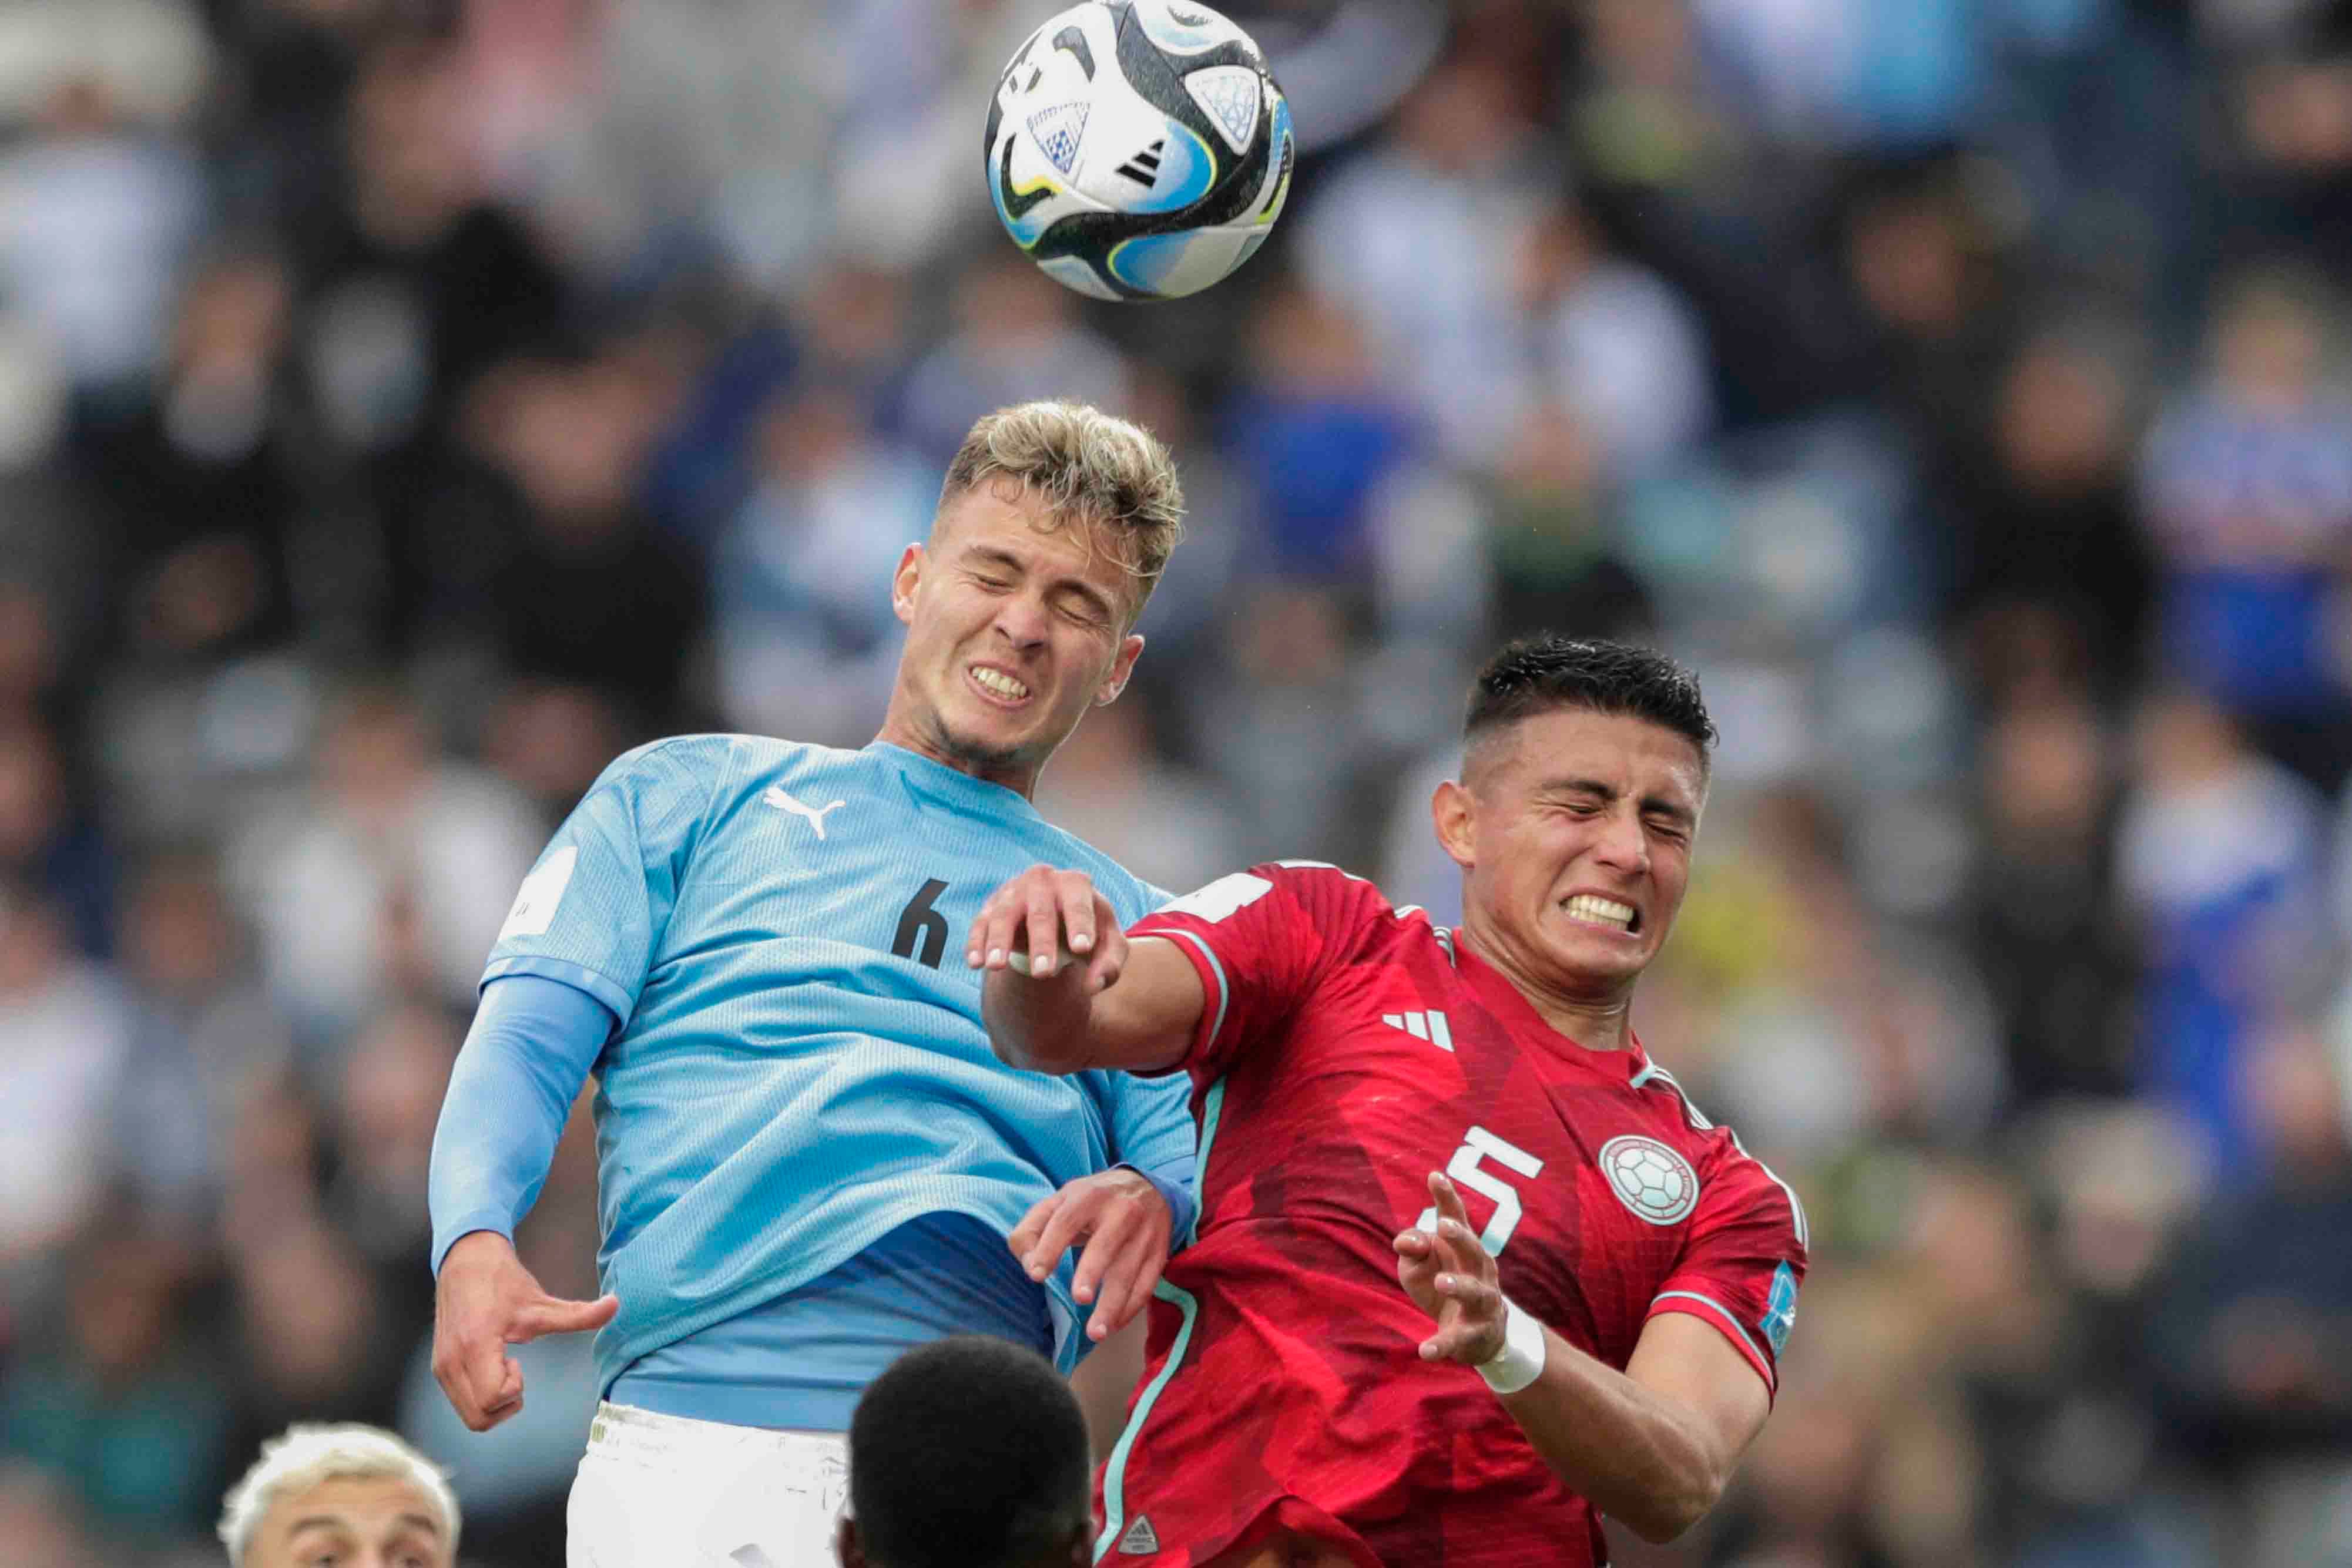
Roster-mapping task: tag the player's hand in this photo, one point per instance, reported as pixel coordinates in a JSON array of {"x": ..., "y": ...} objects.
[
  {"x": 1043, "y": 918},
  {"x": 1124, "y": 1223},
  {"x": 485, "y": 1301},
  {"x": 1449, "y": 1275}
]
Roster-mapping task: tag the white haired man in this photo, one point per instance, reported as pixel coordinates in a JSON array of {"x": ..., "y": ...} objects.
[{"x": 349, "y": 1495}]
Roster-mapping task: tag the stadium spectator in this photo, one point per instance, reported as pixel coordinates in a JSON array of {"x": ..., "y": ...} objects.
[{"x": 343, "y": 1494}]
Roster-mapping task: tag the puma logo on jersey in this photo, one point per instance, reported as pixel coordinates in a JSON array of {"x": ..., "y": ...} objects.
[
  {"x": 1141, "y": 1540},
  {"x": 815, "y": 814},
  {"x": 1429, "y": 1025}
]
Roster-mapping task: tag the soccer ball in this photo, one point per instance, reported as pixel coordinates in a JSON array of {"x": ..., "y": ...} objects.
[
  {"x": 1138, "y": 148},
  {"x": 1650, "y": 1179}
]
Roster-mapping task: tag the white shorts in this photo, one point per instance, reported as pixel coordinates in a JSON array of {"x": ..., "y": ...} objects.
[{"x": 656, "y": 1491}]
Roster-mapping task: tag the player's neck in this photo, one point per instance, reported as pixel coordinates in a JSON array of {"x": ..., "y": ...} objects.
[
  {"x": 990, "y": 769},
  {"x": 1603, "y": 1022}
]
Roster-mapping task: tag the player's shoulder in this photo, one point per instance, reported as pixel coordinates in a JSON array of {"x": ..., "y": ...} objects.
[
  {"x": 1742, "y": 1185},
  {"x": 719, "y": 761},
  {"x": 1345, "y": 909}
]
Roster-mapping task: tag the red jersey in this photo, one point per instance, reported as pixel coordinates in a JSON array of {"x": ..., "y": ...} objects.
[{"x": 1347, "y": 1050}]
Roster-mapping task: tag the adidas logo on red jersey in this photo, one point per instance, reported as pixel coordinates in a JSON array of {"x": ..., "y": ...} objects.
[
  {"x": 1141, "y": 1540},
  {"x": 1429, "y": 1025}
]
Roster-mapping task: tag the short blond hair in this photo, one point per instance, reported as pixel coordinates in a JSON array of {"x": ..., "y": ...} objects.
[
  {"x": 303, "y": 1456},
  {"x": 1088, "y": 466}
]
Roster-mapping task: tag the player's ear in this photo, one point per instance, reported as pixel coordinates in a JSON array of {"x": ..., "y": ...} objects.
[
  {"x": 846, "y": 1546},
  {"x": 1121, "y": 667},
  {"x": 905, "y": 581},
  {"x": 1454, "y": 812}
]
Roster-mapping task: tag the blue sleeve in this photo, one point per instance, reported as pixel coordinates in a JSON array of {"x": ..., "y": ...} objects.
[
  {"x": 1152, "y": 1133},
  {"x": 593, "y": 911},
  {"x": 531, "y": 1047}
]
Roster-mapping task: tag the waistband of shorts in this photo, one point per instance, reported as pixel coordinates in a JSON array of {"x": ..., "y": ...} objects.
[{"x": 625, "y": 1429}]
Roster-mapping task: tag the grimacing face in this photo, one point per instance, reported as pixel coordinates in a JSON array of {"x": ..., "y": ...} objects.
[
  {"x": 1573, "y": 830},
  {"x": 1012, "y": 633},
  {"x": 353, "y": 1521}
]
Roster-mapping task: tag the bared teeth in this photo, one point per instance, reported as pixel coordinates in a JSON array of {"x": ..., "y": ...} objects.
[
  {"x": 1000, "y": 682},
  {"x": 1601, "y": 911}
]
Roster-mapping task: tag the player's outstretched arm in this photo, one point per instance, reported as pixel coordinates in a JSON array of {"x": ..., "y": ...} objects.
[
  {"x": 1065, "y": 989},
  {"x": 1653, "y": 1445}
]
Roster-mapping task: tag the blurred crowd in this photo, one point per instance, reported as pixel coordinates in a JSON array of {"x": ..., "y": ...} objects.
[{"x": 407, "y": 404}]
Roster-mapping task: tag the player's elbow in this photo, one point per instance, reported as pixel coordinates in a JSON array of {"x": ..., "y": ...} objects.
[
  {"x": 1667, "y": 1510},
  {"x": 1021, "y": 1049}
]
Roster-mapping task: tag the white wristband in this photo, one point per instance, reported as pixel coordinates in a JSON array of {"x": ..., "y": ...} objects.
[{"x": 1521, "y": 1360}]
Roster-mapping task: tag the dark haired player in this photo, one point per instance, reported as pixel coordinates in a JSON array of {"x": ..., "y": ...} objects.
[
  {"x": 968, "y": 1452},
  {"x": 1612, "y": 1277}
]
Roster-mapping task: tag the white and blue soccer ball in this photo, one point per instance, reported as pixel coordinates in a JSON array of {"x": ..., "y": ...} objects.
[{"x": 1138, "y": 148}]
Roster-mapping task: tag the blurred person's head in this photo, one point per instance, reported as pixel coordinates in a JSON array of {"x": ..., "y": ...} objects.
[
  {"x": 2045, "y": 775},
  {"x": 32, "y": 938},
  {"x": 2183, "y": 741},
  {"x": 1552, "y": 467},
  {"x": 40, "y": 1520},
  {"x": 1584, "y": 771},
  {"x": 349, "y": 1495},
  {"x": 2273, "y": 335},
  {"x": 2296, "y": 1090},
  {"x": 179, "y": 937},
  {"x": 2119, "y": 1177},
  {"x": 1305, "y": 343},
  {"x": 79, "y": 105},
  {"x": 29, "y": 651},
  {"x": 853, "y": 320},
  {"x": 551, "y": 740},
  {"x": 2063, "y": 413},
  {"x": 1054, "y": 522},
  {"x": 1908, "y": 242},
  {"x": 1468, "y": 115},
  {"x": 969, "y": 1452},
  {"x": 393, "y": 1080},
  {"x": 809, "y": 431},
  {"x": 574, "y": 434},
  {"x": 31, "y": 791},
  {"x": 1008, "y": 304},
  {"x": 378, "y": 749},
  {"x": 1971, "y": 1242},
  {"x": 1634, "y": 44},
  {"x": 123, "y": 1298},
  {"x": 1556, "y": 250},
  {"x": 1295, "y": 633},
  {"x": 2030, "y": 651},
  {"x": 234, "y": 317},
  {"x": 309, "y": 1315},
  {"x": 414, "y": 171},
  {"x": 2297, "y": 111}
]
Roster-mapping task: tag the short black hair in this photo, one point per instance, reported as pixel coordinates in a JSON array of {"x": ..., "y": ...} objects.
[
  {"x": 1537, "y": 674},
  {"x": 969, "y": 1452}
]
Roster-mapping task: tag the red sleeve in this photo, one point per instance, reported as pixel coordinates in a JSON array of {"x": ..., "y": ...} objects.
[
  {"x": 1742, "y": 1261},
  {"x": 1259, "y": 939}
]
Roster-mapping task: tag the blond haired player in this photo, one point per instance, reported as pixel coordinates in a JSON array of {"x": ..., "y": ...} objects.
[{"x": 809, "y": 1159}]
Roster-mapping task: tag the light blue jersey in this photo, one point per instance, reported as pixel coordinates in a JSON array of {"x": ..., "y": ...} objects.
[{"x": 801, "y": 1068}]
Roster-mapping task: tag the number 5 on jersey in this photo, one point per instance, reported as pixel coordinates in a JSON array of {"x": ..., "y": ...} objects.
[{"x": 1467, "y": 1172}]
